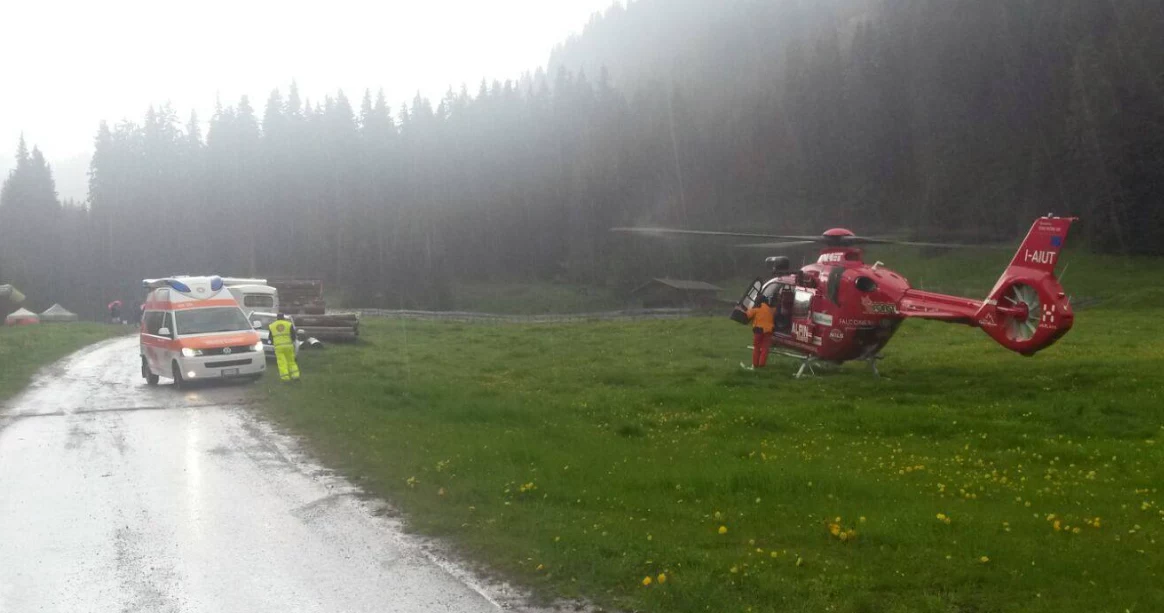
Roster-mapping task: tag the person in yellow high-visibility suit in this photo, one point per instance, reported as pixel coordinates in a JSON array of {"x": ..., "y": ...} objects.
[{"x": 283, "y": 339}]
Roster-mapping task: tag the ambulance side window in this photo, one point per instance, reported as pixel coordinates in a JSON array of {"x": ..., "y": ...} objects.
[
  {"x": 168, "y": 322},
  {"x": 153, "y": 321}
]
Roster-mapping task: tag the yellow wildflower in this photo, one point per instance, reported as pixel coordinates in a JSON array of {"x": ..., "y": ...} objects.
[
  {"x": 984, "y": 559},
  {"x": 723, "y": 529},
  {"x": 646, "y": 581},
  {"x": 735, "y": 569},
  {"x": 834, "y": 529},
  {"x": 1056, "y": 526},
  {"x": 662, "y": 578},
  {"x": 1075, "y": 530},
  {"x": 540, "y": 567}
]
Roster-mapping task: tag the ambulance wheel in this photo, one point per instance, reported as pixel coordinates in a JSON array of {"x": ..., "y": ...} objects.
[
  {"x": 151, "y": 378},
  {"x": 178, "y": 380}
]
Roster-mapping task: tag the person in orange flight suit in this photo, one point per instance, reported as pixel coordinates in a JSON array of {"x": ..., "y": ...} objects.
[{"x": 763, "y": 322}]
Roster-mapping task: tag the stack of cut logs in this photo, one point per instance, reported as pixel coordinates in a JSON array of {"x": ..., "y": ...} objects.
[
  {"x": 329, "y": 327},
  {"x": 303, "y": 300}
]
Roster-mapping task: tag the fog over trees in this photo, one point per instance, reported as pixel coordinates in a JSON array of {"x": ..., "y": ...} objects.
[{"x": 943, "y": 118}]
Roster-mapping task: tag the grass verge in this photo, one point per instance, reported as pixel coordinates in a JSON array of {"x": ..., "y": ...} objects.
[
  {"x": 25, "y": 349},
  {"x": 583, "y": 459}
]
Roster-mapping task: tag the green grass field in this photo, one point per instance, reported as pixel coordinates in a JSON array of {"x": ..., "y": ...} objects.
[
  {"x": 24, "y": 349},
  {"x": 583, "y": 459},
  {"x": 534, "y": 298}
]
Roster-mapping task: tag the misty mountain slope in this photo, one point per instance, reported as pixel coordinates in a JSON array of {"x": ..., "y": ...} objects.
[
  {"x": 701, "y": 43},
  {"x": 924, "y": 113}
]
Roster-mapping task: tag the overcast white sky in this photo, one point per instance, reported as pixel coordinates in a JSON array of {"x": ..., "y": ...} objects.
[{"x": 67, "y": 64}]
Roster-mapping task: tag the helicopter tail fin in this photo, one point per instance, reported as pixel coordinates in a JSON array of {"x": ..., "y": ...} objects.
[{"x": 1028, "y": 310}]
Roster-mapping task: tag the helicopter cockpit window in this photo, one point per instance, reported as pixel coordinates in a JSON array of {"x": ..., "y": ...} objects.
[{"x": 802, "y": 304}]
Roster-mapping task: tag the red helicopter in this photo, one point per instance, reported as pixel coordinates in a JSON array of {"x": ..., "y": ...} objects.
[{"x": 840, "y": 308}]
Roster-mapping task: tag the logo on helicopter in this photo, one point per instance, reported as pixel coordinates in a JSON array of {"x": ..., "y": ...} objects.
[
  {"x": 878, "y": 308},
  {"x": 802, "y": 332}
]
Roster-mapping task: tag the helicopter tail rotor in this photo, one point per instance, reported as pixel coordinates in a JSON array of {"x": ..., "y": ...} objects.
[
  {"x": 1024, "y": 312},
  {"x": 1028, "y": 310}
]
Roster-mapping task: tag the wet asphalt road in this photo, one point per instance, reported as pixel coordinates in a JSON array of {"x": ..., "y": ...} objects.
[{"x": 118, "y": 497}]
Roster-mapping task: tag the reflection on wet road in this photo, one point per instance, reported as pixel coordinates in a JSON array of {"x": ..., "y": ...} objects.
[{"x": 115, "y": 496}]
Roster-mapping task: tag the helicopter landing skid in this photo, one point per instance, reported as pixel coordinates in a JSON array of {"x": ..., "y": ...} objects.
[{"x": 806, "y": 362}]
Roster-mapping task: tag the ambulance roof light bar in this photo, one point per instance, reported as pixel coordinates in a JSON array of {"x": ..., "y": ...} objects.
[{"x": 176, "y": 284}]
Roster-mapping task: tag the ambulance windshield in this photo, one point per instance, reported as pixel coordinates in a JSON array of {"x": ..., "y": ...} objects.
[{"x": 205, "y": 321}]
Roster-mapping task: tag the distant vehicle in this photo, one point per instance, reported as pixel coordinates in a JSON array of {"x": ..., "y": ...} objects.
[
  {"x": 300, "y": 296},
  {"x": 253, "y": 294},
  {"x": 261, "y": 321},
  {"x": 839, "y": 308},
  {"x": 192, "y": 329}
]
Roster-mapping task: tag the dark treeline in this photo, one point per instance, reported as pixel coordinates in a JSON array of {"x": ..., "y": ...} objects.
[{"x": 944, "y": 118}]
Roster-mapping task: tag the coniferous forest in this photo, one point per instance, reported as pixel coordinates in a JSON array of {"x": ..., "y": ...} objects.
[{"x": 936, "y": 118}]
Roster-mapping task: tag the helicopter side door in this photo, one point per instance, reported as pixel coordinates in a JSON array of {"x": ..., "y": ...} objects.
[
  {"x": 780, "y": 297},
  {"x": 747, "y": 301}
]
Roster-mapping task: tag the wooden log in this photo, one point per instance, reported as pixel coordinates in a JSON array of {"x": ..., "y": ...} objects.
[{"x": 339, "y": 320}]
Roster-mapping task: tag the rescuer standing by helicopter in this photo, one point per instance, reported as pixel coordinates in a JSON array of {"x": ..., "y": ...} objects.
[{"x": 763, "y": 321}]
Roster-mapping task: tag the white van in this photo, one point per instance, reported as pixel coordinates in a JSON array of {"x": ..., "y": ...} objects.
[
  {"x": 193, "y": 328},
  {"x": 253, "y": 294}
]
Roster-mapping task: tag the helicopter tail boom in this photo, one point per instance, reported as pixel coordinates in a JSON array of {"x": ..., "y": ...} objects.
[{"x": 1027, "y": 310}]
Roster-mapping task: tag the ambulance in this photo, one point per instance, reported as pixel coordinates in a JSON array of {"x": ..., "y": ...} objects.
[{"x": 193, "y": 329}]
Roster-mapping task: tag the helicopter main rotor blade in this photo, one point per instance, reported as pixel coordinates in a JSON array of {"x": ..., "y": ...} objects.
[
  {"x": 845, "y": 240},
  {"x": 867, "y": 240},
  {"x": 775, "y": 245},
  {"x": 675, "y": 231}
]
